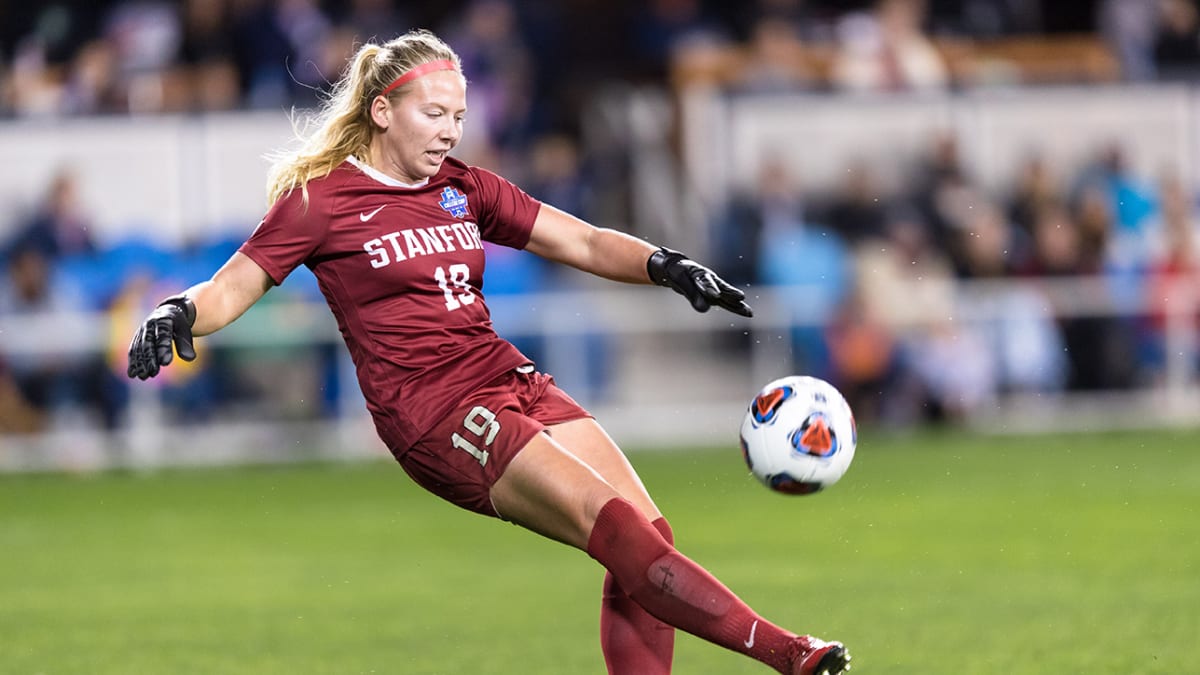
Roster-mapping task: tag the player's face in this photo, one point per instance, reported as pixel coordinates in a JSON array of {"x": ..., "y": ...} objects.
[{"x": 424, "y": 124}]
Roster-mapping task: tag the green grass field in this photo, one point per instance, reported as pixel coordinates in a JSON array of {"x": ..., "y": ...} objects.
[{"x": 938, "y": 553}]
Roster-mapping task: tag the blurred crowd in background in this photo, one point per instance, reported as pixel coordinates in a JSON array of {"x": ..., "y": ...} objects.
[
  {"x": 885, "y": 258},
  {"x": 534, "y": 65},
  {"x": 538, "y": 61}
]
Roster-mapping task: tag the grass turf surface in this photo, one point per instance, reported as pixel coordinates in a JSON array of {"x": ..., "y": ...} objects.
[{"x": 938, "y": 553}]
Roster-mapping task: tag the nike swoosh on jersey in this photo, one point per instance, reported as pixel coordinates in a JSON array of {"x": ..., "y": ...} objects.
[
  {"x": 753, "y": 627},
  {"x": 364, "y": 217}
]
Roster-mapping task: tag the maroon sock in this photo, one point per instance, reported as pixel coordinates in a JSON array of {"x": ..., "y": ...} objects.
[
  {"x": 678, "y": 591},
  {"x": 633, "y": 641}
]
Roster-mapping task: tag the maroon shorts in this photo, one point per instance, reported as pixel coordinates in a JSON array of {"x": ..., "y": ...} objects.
[{"x": 461, "y": 457}]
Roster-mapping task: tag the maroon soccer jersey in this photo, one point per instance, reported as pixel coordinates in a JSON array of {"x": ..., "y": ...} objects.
[{"x": 402, "y": 270}]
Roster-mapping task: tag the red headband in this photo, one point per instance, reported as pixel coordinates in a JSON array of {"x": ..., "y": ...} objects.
[{"x": 414, "y": 73}]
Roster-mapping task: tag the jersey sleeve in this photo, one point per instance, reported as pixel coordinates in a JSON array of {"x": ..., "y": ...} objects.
[
  {"x": 506, "y": 213},
  {"x": 288, "y": 235}
]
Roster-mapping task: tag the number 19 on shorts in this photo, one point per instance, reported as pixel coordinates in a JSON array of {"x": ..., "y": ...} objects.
[{"x": 482, "y": 424}]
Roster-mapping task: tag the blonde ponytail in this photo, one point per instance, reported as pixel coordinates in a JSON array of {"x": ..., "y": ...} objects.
[{"x": 342, "y": 127}]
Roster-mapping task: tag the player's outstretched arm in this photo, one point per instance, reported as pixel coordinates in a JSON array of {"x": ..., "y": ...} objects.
[
  {"x": 202, "y": 309},
  {"x": 561, "y": 237}
]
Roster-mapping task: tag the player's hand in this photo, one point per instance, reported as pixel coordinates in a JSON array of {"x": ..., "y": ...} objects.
[
  {"x": 700, "y": 285},
  {"x": 169, "y": 324}
]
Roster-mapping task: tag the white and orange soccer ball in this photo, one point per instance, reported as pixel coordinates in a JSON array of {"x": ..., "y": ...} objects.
[{"x": 798, "y": 436}]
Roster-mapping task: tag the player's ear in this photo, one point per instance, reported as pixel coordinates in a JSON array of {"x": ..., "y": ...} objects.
[{"x": 381, "y": 112}]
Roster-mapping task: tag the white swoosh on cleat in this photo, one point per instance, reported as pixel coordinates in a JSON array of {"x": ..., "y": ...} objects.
[
  {"x": 364, "y": 217},
  {"x": 753, "y": 627}
]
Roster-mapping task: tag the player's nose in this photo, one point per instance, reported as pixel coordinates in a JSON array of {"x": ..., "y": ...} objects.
[{"x": 451, "y": 130}]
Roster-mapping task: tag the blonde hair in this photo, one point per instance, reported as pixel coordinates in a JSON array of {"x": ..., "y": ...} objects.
[{"x": 342, "y": 126}]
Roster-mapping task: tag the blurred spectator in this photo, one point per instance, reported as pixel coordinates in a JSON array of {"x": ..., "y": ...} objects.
[
  {"x": 857, "y": 211},
  {"x": 307, "y": 28},
  {"x": 331, "y": 57},
  {"x": 1055, "y": 242},
  {"x": 59, "y": 226},
  {"x": 57, "y": 379},
  {"x": 556, "y": 174},
  {"x": 1175, "y": 210},
  {"x": 955, "y": 380},
  {"x": 498, "y": 64},
  {"x": 900, "y": 284},
  {"x": 887, "y": 50},
  {"x": 1129, "y": 198},
  {"x": 38, "y": 42},
  {"x": 770, "y": 208},
  {"x": 942, "y": 368},
  {"x": 1129, "y": 27},
  {"x": 33, "y": 90},
  {"x": 776, "y": 60},
  {"x": 984, "y": 243},
  {"x": 1094, "y": 222},
  {"x": 945, "y": 195},
  {"x": 1173, "y": 278},
  {"x": 905, "y": 277},
  {"x": 810, "y": 261},
  {"x": 277, "y": 48},
  {"x": 1100, "y": 349},
  {"x": 662, "y": 29},
  {"x": 1027, "y": 342},
  {"x": 145, "y": 36},
  {"x": 54, "y": 29},
  {"x": 1024, "y": 341},
  {"x": 1119, "y": 254},
  {"x": 863, "y": 356},
  {"x": 206, "y": 55},
  {"x": 947, "y": 367},
  {"x": 1036, "y": 186},
  {"x": 1177, "y": 43},
  {"x": 94, "y": 85}
]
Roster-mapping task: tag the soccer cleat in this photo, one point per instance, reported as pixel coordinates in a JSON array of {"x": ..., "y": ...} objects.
[{"x": 817, "y": 657}]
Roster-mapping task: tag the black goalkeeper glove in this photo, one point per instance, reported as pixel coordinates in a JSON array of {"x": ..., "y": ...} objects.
[
  {"x": 700, "y": 285},
  {"x": 169, "y": 323}
]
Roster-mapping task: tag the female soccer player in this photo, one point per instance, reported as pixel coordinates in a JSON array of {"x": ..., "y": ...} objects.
[{"x": 392, "y": 228}]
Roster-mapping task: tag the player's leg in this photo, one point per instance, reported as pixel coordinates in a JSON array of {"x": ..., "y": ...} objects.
[
  {"x": 550, "y": 491},
  {"x": 633, "y": 642},
  {"x": 588, "y": 441}
]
